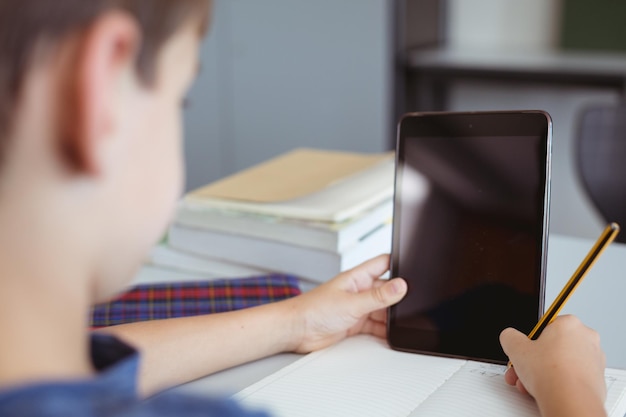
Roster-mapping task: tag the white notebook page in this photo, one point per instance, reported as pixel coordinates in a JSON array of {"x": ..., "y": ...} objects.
[
  {"x": 361, "y": 376},
  {"x": 478, "y": 389},
  {"x": 616, "y": 392}
]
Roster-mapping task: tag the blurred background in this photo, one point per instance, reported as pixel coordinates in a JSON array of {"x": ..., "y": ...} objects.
[{"x": 280, "y": 74}]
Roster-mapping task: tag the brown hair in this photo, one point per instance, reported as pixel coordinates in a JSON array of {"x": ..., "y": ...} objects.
[{"x": 24, "y": 24}]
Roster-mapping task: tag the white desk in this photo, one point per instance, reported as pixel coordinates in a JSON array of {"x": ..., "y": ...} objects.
[{"x": 599, "y": 302}]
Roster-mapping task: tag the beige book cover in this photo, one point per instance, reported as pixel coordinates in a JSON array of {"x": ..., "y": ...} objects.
[
  {"x": 292, "y": 175},
  {"x": 318, "y": 185}
]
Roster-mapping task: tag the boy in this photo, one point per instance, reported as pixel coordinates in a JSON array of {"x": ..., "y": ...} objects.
[{"x": 90, "y": 168}]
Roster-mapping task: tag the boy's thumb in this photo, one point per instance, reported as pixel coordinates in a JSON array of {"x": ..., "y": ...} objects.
[
  {"x": 512, "y": 341},
  {"x": 383, "y": 296}
]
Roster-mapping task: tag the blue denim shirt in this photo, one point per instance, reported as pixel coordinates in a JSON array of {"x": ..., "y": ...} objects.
[{"x": 112, "y": 393}]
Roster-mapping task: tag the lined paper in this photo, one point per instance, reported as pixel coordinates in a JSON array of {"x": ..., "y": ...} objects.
[
  {"x": 362, "y": 376},
  {"x": 359, "y": 376},
  {"x": 478, "y": 390},
  {"x": 615, "y": 392}
]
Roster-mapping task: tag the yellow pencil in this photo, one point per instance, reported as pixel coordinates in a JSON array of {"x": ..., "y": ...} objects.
[{"x": 607, "y": 236}]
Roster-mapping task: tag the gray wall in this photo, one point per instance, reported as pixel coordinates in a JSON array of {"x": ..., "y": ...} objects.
[{"x": 280, "y": 74}]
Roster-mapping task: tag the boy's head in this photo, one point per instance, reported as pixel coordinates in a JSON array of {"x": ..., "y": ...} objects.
[
  {"x": 30, "y": 30},
  {"x": 90, "y": 97}
]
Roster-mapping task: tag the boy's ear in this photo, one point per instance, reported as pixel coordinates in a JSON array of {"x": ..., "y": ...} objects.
[{"x": 105, "y": 55}]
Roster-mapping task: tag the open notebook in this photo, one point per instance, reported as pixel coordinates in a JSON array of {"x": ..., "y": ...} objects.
[{"x": 362, "y": 377}]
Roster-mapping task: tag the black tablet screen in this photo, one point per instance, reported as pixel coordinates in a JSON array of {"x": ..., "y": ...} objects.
[{"x": 470, "y": 228}]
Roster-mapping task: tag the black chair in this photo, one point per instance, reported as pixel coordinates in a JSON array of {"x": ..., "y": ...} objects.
[{"x": 601, "y": 159}]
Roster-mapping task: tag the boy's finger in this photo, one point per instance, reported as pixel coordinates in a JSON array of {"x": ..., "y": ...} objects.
[
  {"x": 511, "y": 376},
  {"x": 513, "y": 342},
  {"x": 382, "y": 296},
  {"x": 364, "y": 274},
  {"x": 379, "y": 316},
  {"x": 376, "y": 329}
]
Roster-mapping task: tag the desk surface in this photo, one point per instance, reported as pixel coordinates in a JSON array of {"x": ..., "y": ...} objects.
[{"x": 598, "y": 301}]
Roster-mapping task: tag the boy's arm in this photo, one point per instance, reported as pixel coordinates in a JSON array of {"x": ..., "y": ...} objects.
[
  {"x": 179, "y": 350},
  {"x": 563, "y": 369}
]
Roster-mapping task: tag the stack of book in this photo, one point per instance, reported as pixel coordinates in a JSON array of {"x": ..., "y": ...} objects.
[{"x": 308, "y": 213}]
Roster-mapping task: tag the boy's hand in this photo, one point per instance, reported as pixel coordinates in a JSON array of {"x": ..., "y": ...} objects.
[
  {"x": 565, "y": 365},
  {"x": 353, "y": 302}
]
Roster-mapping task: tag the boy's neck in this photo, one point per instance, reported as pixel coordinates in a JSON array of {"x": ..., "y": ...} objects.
[
  {"x": 44, "y": 305},
  {"x": 30, "y": 355}
]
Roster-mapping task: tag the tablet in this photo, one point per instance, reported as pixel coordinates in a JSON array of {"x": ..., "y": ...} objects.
[{"x": 470, "y": 230}]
